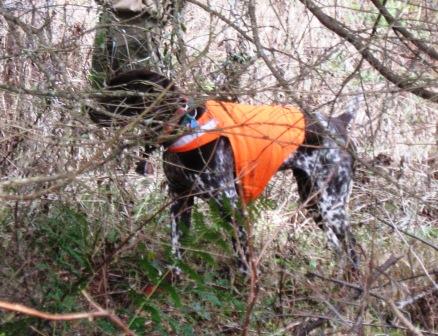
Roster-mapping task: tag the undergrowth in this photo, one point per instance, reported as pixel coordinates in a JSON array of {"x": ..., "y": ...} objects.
[{"x": 54, "y": 255}]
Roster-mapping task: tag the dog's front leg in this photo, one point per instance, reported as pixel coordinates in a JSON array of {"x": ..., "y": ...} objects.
[
  {"x": 234, "y": 216},
  {"x": 181, "y": 210}
]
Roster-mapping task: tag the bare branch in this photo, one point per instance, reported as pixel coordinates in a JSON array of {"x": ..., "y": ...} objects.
[
  {"x": 269, "y": 64},
  {"x": 403, "y": 319},
  {"x": 404, "y": 83},
  {"x": 99, "y": 312},
  {"x": 19, "y": 308},
  {"x": 111, "y": 316},
  {"x": 435, "y": 247},
  {"x": 396, "y": 26}
]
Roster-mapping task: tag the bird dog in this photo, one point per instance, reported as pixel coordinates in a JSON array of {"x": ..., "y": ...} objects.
[{"x": 228, "y": 152}]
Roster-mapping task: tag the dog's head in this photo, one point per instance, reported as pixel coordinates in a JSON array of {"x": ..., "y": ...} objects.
[{"x": 137, "y": 93}]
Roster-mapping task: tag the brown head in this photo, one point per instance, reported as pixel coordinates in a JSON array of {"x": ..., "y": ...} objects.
[{"x": 134, "y": 93}]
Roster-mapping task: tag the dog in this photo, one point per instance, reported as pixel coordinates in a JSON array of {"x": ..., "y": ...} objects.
[{"x": 319, "y": 156}]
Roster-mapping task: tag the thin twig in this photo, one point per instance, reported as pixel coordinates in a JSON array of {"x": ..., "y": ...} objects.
[
  {"x": 413, "y": 299},
  {"x": 22, "y": 309},
  {"x": 435, "y": 247},
  {"x": 110, "y": 315},
  {"x": 398, "y": 27},
  {"x": 99, "y": 312},
  {"x": 403, "y": 319},
  {"x": 405, "y": 83}
]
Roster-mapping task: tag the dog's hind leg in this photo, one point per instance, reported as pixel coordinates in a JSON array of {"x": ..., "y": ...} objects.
[
  {"x": 324, "y": 178},
  {"x": 332, "y": 204}
]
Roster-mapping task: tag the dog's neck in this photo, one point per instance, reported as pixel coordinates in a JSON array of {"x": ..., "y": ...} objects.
[
  {"x": 185, "y": 116},
  {"x": 187, "y": 112}
]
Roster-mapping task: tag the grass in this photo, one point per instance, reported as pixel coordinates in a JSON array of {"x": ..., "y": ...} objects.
[{"x": 68, "y": 245}]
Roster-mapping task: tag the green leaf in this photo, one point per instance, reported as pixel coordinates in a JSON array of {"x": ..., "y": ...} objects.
[
  {"x": 201, "y": 311},
  {"x": 190, "y": 272},
  {"x": 187, "y": 330},
  {"x": 106, "y": 326},
  {"x": 138, "y": 324},
  {"x": 173, "y": 294},
  {"x": 173, "y": 324},
  {"x": 154, "y": 311},
  {"x": 112, "y": 236},
  {"x": 151, "y": 271},
  {"x": 212, "y": 298}
]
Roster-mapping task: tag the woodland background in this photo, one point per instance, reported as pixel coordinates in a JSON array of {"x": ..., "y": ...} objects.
[{"x": 81, "y": 232}]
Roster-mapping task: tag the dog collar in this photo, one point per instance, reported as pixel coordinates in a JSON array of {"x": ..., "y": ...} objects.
[
  {"x": 175, "y": 119},
  {"x": 198, "y": 132},
  {"x": 189, "y": 120},
  {"x": 182, "y": 117}
]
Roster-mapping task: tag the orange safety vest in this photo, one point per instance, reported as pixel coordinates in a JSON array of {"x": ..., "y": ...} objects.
[{"x": 262, "y": 138}]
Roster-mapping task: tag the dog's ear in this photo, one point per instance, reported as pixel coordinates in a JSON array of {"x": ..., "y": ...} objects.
[
  {"x": 344, "y": 119},
  {"x": 141, "y": 80},
  {"x": 351, "y": 111}
]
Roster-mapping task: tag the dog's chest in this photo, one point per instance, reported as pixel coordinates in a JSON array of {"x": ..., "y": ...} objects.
[{"x": 205, "y": 172}]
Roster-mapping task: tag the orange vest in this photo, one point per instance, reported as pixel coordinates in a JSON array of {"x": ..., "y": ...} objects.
[{"x": 262, "y": 138}]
